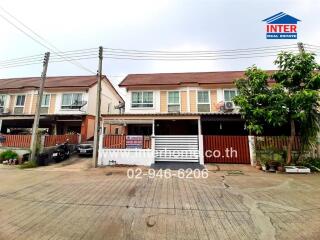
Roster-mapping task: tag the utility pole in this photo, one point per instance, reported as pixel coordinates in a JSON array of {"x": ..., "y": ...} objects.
[
  {"x": 300, "y": 47},
  {"x": 34, "y": 137},
  {"x": 98, "y": 111}
]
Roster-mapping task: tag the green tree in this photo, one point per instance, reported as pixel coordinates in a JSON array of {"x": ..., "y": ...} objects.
[
  {"x": 260, "y": 104},
  {"x": 299, "y": 75},
  {"x": 293, "y": 98}
]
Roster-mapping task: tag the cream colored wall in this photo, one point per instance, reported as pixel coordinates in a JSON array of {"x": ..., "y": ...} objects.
[
  {"x": 163, "y": 101},
  {"x": 188, "y": 95},
  {"x": 12, "y": 103},
  {"x": 184, "y": 101},
  {"x": 214, "y": 100},
  {"x": 52, "y": 103},
  {"x": 193, "y": 100}
]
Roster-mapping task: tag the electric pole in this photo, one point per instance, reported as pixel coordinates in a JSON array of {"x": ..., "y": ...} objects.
[
  {"x": 300, "y": 47},
  {"x": 34, "y": 137},
  {"x": 97, "y": 127}
]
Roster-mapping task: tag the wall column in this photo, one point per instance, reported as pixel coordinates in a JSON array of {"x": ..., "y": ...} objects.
[
  {"x": 100, "y": 149},
  {"x": 0, "y": 125},
  {"x": 200, "y": 141},
  {"x": 153, "y": 141},
  {"x": 253, "y": 158},
  {"x": 54, "y": 129}
]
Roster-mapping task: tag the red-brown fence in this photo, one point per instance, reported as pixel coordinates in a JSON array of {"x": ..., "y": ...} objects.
[
  {"x": 121, "y": 142},
  {"x": 226, "y": 149},
  {"x": 275, "y": 142},
  {"x": 52, "y": 140},
  {"x": 18, "y": 141}
]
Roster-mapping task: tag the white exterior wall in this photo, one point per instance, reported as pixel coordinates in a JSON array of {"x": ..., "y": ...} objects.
[
  {"x": 58, "y": 109},
  {"x": 108, "y": 97},
  {"x": 143, "y": 157},
  {"x": 220, "y": 97}
]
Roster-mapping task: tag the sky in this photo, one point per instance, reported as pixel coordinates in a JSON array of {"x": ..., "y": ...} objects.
[{"x": 162, "y": 25}]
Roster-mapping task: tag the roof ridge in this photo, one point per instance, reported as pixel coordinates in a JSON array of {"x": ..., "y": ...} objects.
[{"x": 63, "y": 76}]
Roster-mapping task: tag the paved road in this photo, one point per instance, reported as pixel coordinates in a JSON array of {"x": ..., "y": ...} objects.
[{"x": 51, "y": 203}]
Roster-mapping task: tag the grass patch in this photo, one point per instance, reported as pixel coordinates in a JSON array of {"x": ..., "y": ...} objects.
[{"x": 29, "y": 164}]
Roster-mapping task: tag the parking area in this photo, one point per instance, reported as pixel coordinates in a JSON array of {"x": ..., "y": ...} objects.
[{"x": 56, "y": 203}]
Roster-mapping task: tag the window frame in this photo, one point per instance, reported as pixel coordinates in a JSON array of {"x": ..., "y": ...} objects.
[
  {"x": 46, "y": 106},
  {"x": 4, "y": 100},
  {"x": 229, "y": 89},
  {"x": 168, "y": 104},
  {"x": 70, "y": 109},
  {"x": 142, "y": 103},
  {"x": 209, "y": 99},
  {"x": 24, "y": 100}
]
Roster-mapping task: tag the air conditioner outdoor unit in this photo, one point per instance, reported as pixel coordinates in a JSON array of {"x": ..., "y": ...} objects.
[{"x": 229, "y": 105}]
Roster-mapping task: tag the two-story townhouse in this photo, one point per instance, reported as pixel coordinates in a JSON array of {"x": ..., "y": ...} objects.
[
  {"x": 68, "y": 104},
  {"x": 177, "y": 109}
]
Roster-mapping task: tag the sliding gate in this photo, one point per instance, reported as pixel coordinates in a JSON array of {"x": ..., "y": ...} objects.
[
  {"x": 226, "y": 149},
  {"x": 177, "y": 148}
]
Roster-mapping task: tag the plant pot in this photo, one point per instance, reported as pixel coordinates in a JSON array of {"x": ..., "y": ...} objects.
[
  {"x": 258, "y": 167},
  {"x": 280, "y": 168},
  {"x": 272, "y": 167}
]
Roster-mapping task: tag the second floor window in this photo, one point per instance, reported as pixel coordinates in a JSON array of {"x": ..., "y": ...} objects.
[
  {"x": 174, "y": 101},
  {"x": 2, "y": 100},
  {"x": 71, "y": 101},
  {"x": 45, "y": 100},
  {"x": 20, "y": 100},
  {"x": 142, "y": 100},
  {"x": 230, "y": 94},
  {"x": 203, "y": 101}
]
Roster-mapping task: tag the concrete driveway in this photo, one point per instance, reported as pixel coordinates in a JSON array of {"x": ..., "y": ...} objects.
[{"x": 106, "y": 204}]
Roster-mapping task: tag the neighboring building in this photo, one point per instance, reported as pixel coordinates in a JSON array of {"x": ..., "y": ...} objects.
[
  {"x": 68, "y": 104},
  {"x": 176, "y": 110}
]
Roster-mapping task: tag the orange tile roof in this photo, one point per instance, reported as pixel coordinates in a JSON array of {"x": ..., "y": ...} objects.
[
  {"x": 51, "y": 82},
  {"x": 226, "y": 77}
]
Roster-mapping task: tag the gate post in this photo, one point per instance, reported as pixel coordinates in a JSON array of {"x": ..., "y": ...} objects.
[
  {"x": 253, "y": 159},
  {"x": 100, "y": 145},
  {"x": 200, "y": 142},
  {"x": 153, "y": 142}
]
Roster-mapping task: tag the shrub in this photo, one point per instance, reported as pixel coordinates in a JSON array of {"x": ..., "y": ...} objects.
[
  {"x": 8, "y": 154},
  {"x": 28, "y": 164},
  {"x": 312, "y": 163}
]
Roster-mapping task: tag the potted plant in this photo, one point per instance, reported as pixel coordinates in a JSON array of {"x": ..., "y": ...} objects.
[
  {"x": 263, "y": 160},
  {"x": 258, "y": 166}
]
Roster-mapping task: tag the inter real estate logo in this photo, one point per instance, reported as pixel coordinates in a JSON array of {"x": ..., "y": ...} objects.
[{"x": 281, "y": 26}]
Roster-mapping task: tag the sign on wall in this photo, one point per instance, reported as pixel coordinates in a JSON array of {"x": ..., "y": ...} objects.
[{"x": 134, "y": 141}]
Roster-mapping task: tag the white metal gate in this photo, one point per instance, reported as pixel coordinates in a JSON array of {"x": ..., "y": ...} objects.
[{"x": 177, "y": 148}]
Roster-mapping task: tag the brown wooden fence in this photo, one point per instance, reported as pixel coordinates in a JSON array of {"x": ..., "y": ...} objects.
[
  {"x": 18, "y": 141},
  {"x": 52, "y": 140},
  {"x": 275, "y": 142},
  {"x": 120, "y": 142},
  {"x": 226, "y": 149}
]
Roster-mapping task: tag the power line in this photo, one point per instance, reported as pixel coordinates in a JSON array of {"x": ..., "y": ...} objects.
[
  {"x": 201, "y": 51},
  {"x": 190, "y": 56},
  {"x": 89, "y": 53},
  {"x": 21, "y": 30},
  {"x": 187, "y": 59}
]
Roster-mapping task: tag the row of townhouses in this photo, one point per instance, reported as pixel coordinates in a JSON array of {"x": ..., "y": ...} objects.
[
  {"x": 162, "y": 117},
  {"x": 68, "y": 104}
]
